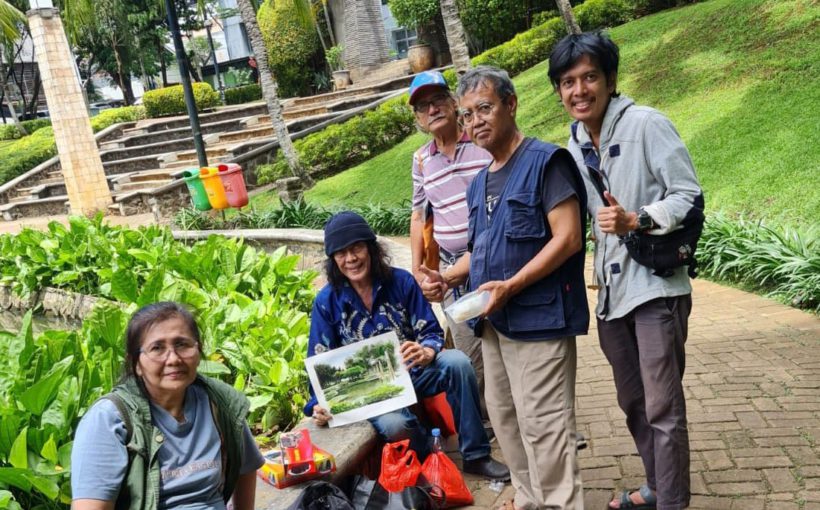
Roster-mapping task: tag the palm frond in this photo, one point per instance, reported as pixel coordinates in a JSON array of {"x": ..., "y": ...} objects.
[{"x": 10, "y": 19}]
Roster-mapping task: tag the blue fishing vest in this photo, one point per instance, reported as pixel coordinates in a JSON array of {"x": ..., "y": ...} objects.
[{"x": 555, "y": 306}]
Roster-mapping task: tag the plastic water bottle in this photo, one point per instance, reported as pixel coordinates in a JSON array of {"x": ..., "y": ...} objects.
[{"x": 436, "y": 444}]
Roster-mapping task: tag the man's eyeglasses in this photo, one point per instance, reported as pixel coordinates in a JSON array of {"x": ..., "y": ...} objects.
[
  {"x": 439, "y": 101},
  {"x": 160, "y": 351},
  {"x": 483, "y": 110}
]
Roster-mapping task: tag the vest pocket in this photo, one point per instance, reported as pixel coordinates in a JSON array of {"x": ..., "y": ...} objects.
[
  {"x": 525, "y": 219},
  {"x": 536, "y": 308}
]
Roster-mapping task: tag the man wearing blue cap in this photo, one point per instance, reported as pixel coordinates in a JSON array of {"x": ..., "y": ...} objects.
[{"x": 442, "y": 170}]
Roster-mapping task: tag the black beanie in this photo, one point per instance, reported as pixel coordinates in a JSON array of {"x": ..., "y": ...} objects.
[{"x": 344, "y": 229}]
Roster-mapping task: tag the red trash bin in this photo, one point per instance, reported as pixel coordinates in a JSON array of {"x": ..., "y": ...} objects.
[{"x": 234, "y": 183}]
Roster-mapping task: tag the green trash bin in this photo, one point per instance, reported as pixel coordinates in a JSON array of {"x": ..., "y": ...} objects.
[{"x": 197, "y": 190}]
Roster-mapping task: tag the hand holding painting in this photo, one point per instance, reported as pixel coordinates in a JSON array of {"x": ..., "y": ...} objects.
[{"x": 321, "y": 416}]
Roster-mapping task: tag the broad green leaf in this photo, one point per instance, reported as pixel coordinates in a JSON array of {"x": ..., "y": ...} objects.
[
  {"x": 15, "y": 477},
  {"x": 259, "y": 401},
  {"x": 37, "y": 397},
  {"x": 18, "y": 457},
  {"x": 49, "y": 451},
  {"x": 44, "y": 484},
  {"x": 9, "y": 427},
  {"x": 144, "y": 255},
  {"x": 212, "y": 368},
  {"x": 279, "y": 371},
  {"x": 64, "y": 456},
  {"x": 124, "y": 286},
  {"x": 5, "y": 499},
  {"x": 150, "y": 290}
]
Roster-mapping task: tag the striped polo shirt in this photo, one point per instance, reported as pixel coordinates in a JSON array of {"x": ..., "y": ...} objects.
[{"x": 443, "y": 182}]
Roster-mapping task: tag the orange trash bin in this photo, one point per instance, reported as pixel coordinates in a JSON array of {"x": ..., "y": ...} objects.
[
  {"x": 213, "y": 187},
  {"x": 233, "y": 181}
]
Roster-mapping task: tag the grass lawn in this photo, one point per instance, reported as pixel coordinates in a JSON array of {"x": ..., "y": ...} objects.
[{"x": 737, "y": 77}]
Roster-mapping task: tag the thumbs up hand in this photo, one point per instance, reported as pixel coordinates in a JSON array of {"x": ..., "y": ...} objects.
[
  {"x": 433, "y": 286},
  {"x": 615, "y": 219}
]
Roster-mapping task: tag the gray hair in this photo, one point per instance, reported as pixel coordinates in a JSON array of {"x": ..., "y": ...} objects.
[{"x": 491, "y": 75}]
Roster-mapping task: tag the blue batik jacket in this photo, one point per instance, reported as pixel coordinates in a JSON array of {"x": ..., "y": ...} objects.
[{"x": 340, "y": 318}]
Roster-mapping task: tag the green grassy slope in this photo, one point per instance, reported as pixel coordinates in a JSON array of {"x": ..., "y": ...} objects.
[{"x": 737, "y": 77}]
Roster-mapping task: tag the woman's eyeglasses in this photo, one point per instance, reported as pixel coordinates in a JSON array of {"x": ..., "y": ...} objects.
[{"x": 160, "y": 351}]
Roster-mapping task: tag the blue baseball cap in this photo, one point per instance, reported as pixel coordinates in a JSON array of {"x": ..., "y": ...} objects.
[{"x": 424, "y": 81}]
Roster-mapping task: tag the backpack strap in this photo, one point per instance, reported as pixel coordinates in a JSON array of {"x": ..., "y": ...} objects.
[{"x": 124, "y": 414}]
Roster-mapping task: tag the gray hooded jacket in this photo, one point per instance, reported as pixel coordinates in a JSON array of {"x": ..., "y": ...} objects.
[{"x": 644, "y": 164}]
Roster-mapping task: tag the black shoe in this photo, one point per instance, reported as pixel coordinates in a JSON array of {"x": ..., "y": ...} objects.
[
  {"x": 580, "y": 442},
  {"x": 487, "y": 467}
]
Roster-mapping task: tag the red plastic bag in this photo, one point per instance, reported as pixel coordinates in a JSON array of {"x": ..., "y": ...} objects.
[
  {"x": 440, "y": 471},
  {"x": 400, "y": 466}
]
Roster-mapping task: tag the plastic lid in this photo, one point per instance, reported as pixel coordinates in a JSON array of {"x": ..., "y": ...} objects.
[{"x": 436, "y": 432}]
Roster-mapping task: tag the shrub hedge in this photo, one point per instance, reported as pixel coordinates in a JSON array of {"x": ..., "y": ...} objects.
[
  {"x": 171, "y": 100},
  {"x": 10, "y": 131},
  {"x": 340, "y": 146},
  {"x": 244, "y": 94},
  {"x": 29, "y": 151}
]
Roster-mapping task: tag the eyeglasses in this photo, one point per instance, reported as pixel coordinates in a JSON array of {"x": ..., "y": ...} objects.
[
  {"x": 358, "y": 248},
  {"x": 439, "y": 100},
  {"x": 160, "y": 351},
  {"x": 483, "y": 110}
]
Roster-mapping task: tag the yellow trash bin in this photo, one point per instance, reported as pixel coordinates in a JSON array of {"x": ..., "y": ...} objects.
[{"x": 213, "y": 187}]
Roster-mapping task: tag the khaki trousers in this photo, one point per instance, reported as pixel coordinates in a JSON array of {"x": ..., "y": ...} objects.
[{"x": 530, "y": 393}]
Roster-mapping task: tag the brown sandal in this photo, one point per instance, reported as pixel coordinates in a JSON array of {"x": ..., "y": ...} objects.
[{"x": 508, "y": 505}]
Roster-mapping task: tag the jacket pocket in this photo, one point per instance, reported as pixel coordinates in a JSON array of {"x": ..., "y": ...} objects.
[{"x": 525, "y": 220}]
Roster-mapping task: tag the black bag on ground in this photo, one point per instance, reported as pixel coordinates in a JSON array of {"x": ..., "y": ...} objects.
[
  {"x": 321, "y": 496},
  {"x": 368, "y": 494}
]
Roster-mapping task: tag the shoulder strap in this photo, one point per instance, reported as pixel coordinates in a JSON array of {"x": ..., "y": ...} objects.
[
  {"x": 595, "y": 176},
  {"x": 124, "y": 414}
]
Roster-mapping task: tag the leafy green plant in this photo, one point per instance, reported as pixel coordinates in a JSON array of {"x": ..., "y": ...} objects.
[
  {"x": 384, "y": 220},
  {"x": 10, "y": 131},
  {"x": 291, "y": 45},
  {"x": 333, "y": 56},
  {"x": 340, "y": 146},
  {"x": 783, "y": 261},
  {"x": 244, "y": 94},
  {"x": 171, "y": 100}
]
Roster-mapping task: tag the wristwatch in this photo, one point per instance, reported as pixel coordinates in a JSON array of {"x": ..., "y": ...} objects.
[{"x": 645, "y": 221}]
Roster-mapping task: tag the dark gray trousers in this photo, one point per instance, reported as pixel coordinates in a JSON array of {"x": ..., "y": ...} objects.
[{"x": 646, "y": 351}]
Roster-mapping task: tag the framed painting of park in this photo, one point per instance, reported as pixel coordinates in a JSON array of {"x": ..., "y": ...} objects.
[{"x": 361, "y": 380}]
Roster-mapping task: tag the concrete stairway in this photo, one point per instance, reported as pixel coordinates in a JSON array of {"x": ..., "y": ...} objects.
[{"x": 151, "y": 155}]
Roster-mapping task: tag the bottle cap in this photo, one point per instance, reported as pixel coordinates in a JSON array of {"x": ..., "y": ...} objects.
[{"x": 436, "y": 432}]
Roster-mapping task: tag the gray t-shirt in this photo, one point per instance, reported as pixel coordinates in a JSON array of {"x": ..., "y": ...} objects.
[{"x": 190, "y": 460}]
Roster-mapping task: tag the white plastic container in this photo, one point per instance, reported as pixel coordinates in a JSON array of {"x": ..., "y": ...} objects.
[{"x": 468, "y": 307}]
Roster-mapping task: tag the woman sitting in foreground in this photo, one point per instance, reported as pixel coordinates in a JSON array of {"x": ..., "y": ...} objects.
[
  {"x": 366, "y": 297},
  {"x": 188, "y": 444}
]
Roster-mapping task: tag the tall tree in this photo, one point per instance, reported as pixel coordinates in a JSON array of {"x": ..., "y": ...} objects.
[
  {"x": 565, "y": 9},
  {"x": 270, "y": 92},
  {"x": 456, "y": 39}
]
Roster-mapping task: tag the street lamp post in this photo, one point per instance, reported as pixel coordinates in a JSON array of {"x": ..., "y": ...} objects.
[
  {"x": 185, "y": 78},
  {"x": 208, "y": 24}
]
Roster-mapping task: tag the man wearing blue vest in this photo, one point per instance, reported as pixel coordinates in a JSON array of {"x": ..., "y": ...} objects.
[{"x": 527, "y": 223}]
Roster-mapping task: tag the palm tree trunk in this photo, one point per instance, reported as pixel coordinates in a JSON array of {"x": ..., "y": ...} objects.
[
  {"x": 270, "y": 92},
  {"x": 455, "y": 36},
  {"x": 329, "y": 25},
  {"x": 569, "y": 18}
]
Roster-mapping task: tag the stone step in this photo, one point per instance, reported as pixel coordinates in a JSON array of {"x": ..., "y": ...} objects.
[
  {"x": 140, "y": 185},
  {"x": 122, "y": 166},
  {"x": 248, "y": 134},
  {"x": 221, "y": 114},
  {"x": 38, "y": 207},
  {"x": 134, "y": 140},
  {"x": 147, "y": 150}
]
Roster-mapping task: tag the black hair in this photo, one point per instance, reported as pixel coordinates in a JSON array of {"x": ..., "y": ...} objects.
[
  {"x": 379, "y": 266},
  {"x": 596, "y": 45},
  {"x": 145, "y": 318}
]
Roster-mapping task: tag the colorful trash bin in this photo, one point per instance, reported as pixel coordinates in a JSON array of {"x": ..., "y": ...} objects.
[
  {"x": 233, "y": 181},
  {"x": 213, "y": 187},
  {"x": 198, "y": 195}
]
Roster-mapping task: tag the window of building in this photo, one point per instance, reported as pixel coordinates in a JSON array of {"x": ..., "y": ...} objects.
[{"x": 403, "y": 38}]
